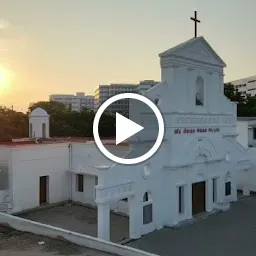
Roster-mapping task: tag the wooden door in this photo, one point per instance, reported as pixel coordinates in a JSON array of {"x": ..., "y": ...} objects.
[
  {"x": 198, "y": 197},
  {"x": 43, "y": 189}
]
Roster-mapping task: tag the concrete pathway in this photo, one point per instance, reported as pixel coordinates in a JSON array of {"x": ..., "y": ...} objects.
[{"x": 229, "y": 233}]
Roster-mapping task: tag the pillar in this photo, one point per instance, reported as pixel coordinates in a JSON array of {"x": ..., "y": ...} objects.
[
  {"x": 135, "y": 217},
  {"x": 209, "y": 195},
  {"x": 234, "y": 189},
  {"x": 246, "y": 191},
  {"x": 104, "y": 221},
  {"x": 221, "y": 189},
  {"x": 189, "y": 200}
]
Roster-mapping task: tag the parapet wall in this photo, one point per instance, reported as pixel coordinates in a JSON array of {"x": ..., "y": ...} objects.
[{"x": 73, "y": 237}]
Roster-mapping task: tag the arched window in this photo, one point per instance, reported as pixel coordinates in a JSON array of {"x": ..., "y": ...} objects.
[
  {"x": 43, "y": 130},
  {"x": 30, "y": 130},
  {"x": 145, "y": 197},
  {"x": 199, "y": 97}
]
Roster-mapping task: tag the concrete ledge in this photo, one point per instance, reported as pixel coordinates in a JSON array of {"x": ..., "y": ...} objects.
[{"x": 73, "y": 237}]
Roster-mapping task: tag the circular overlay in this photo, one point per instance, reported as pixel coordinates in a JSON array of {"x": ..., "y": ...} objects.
[{"x": 159, "y": 136}]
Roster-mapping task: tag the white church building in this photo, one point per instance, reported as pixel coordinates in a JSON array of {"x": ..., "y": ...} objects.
[{"x": 193, "y": 171}]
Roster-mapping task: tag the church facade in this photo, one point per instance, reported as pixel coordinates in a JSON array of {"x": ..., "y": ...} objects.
[
  {"x": 195, "y": 168},
  {"x": 193, "y": 172}
]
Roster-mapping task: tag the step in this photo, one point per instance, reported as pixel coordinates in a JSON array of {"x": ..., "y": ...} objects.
[{"x": 195, "y": 219}]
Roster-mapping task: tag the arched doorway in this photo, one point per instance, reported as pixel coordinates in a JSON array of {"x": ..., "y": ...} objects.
[
  {"x": 43, "y": 130},
  {"x": 30, "y": 130},
  {"x": 199, "y": 186}
]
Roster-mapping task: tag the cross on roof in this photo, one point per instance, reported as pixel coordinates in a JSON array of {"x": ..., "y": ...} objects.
[{"x": 196, "y": 21}]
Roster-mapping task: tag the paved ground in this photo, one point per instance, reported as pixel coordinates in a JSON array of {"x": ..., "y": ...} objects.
[
  {"x": 229, "y": 233},
  {"x": 80, "y": 219},
  {"x": 16, "y": 243}
]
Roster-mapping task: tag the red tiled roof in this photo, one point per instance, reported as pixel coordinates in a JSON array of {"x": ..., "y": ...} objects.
[{"x": 55, "y": 140}]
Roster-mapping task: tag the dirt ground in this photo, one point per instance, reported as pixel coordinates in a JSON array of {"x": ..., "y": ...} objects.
[{"x": 17, "y": 243}]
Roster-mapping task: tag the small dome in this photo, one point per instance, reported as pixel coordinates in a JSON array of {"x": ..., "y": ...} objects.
[{"x": 38, "y": 112}]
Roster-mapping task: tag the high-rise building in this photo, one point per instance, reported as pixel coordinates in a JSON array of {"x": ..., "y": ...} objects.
[
  {"x": 103, "y": 92},
  {"x": 146, "y": 85},
  {"x": 246, "y": 85},
  {"x": 74, "y": 102}
]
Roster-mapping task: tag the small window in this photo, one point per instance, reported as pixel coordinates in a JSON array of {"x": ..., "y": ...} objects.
[
  {"x": 228, "y": 188},
  {"x": 147, "y": 214},
  {"x": 254, "y": 133},
  {"x": 199, "y": 97},
  {"x": 181, "y": 199},
  {"x": 125, "y": 199},
  {"x": 80, "y": 182}
]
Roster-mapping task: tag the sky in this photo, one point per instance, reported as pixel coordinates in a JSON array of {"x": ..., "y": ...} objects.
[{"x": 67, "y": 46}]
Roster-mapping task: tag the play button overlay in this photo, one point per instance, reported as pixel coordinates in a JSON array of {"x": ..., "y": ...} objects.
[
  {"x": 125, "y": 128},
  {"x": 145, "y": 127}
]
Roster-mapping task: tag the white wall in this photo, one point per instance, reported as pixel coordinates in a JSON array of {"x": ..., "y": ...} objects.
[
  {"x": 87, "y": 156},
  {"x": 247, "y": 178},
  {"x": 31, "y": 162},
  {"x": 5, "y": 166},
  {"x": 242, "y": 130},
  {"x": 88, "y": 195}
]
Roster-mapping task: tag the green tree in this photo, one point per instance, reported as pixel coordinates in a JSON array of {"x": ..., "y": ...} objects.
[
  {"x": 13, "y": 124},
  {"x": 64, "y": 122},
  {"x": 234, "y": 95}
]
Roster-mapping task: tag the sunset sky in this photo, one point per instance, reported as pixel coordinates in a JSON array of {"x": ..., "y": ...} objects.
[{"x": 65, "y": 46}]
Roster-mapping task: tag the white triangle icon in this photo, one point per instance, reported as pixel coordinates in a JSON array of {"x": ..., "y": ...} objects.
[{"x": 125, "y": 128}]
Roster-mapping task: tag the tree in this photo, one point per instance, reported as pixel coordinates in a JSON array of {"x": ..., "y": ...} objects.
[
  {"x": 64, "y": 122},
  {"x": 13, "y": 124},
  {"x": 234, "y": 95}
]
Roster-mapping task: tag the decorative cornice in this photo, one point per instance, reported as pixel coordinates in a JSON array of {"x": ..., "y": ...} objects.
[
  {"x": 226, "y": 135},
  {"x": 181, "y": 165},
  {"x": 166, "y": 62}
]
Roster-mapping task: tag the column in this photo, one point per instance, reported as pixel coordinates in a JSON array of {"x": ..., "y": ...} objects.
[
  {"x": 135, "y": 217},
  {"x": 221, "y": 189},
  {"x": 189, "y": 200},
  {"x": 104, "y": 221},
  {"x": 246, "y": 191},
  {"x": 209, "y": 195},
  {"x": 234, "y": 189}
]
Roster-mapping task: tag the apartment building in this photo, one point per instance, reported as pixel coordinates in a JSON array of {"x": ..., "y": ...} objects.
[
  {"x": 74, "y": 102},
  {"x": 246, "y": 85},
  {"x": 103, "y": 92}
]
